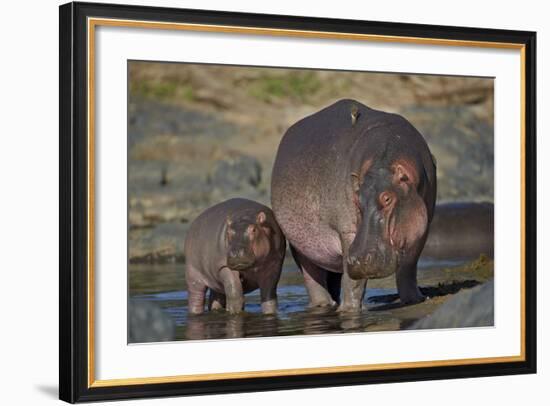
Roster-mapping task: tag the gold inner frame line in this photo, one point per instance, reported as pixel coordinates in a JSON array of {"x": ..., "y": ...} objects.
[{"x": 92, "y": 23}]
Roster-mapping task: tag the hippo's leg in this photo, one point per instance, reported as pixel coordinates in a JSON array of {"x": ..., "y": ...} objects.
[
  {"x": 196, "y": 290},
  {"x": 268, "y": 294},
  {"x": 216, "y": 300},
  {"x": 233, "y": 290},
  {"x": 315, "y": 279},
  {"x": 353, "y": 292},
  {"x": 406, "y": 284},
  {"x": 334, "y": 284}
]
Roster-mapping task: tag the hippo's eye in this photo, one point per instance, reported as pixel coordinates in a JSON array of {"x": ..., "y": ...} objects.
[{"x": 385, "y": 199}]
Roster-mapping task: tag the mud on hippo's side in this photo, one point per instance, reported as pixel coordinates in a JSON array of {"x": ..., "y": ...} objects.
[
  {"x": 233, "y": 248},
  {"x": 354, "y": 190}
]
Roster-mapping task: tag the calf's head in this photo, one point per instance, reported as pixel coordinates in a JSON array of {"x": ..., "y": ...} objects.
[
  {"x": 392, "y": 220},
  {"x": 248, "y": 240}
]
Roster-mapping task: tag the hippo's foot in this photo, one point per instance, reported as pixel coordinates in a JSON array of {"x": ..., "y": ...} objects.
[
  {"x": 407, "y": 286},
  {"x": 269, "y": 306},
  {"x": 234, "y": 310},
  {"x": 412, "y": 298},
  {"x": 353, "y": 292},
  {"x": 321, "y": 303},
  {"x": 216, "y": 301},
  {"x": 235, "y": 306},
  {"x": 214, "y": 306},
  {"x": 410, "y": 295},
  {"x": 233, "y": 290},
  {"x": 349, "y": 308}
]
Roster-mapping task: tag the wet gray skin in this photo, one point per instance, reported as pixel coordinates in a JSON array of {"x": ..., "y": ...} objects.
[
  {"x": 353, "y": 190},
  {"x": 233, "y": 248}
]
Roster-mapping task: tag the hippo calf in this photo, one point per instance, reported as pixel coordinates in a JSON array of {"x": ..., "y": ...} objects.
[
  {"x": 354, "y": 190},
  {"x": 233, "y": 248}
]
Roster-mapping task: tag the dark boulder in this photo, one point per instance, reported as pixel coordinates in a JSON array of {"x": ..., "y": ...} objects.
[
  {"x": 468, "y": 308},
  {"x": 148, "y": 323}
]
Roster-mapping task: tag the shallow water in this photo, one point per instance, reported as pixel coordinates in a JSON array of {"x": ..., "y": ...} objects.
[{"x": 152, "y": 286}]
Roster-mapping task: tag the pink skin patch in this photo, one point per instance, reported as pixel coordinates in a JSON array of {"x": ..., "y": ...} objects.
[
  {"x": 259, "y": 235},
  {"x": 413, "y": 225},
  {"x": 405, "y": 173}
]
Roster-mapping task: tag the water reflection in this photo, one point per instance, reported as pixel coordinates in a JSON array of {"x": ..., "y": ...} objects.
[
  {"x": 294, "y": 316},
  {"x": 219, "y": 325}
]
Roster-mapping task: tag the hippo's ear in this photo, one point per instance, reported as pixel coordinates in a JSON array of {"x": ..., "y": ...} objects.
[
  {"x": 405, "y": 172},
  {"x": 261, "y": 218},
  {"x": 355, "y": 182}
]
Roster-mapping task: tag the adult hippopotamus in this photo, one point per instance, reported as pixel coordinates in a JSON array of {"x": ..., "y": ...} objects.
[
  {"x": 233, "y": 248},
  {"x": 354, "y": 190}
]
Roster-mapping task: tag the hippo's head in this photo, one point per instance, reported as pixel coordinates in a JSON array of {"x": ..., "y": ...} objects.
[
  {"x": 248, "y": 240},
  {"x": 392, "y": 220}
]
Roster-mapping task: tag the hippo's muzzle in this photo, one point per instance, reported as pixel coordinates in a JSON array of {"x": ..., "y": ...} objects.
[
  {"x": 373, "y": 265},
  {"x": 240, "y": 259}
]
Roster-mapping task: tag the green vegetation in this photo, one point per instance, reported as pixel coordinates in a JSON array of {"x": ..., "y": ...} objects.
[
  {"x": 295, "y": 85},
  {"x": 166, "y": 90},
  {"x": 483, "y": 267}
]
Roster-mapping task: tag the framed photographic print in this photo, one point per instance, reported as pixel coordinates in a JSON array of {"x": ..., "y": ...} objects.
[{"x": 257, "y": 202}]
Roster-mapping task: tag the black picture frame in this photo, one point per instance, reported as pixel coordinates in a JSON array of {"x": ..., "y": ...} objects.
[{"x": 74, "y": 199}]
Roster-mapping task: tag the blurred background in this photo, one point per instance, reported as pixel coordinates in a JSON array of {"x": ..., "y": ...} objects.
[{"x": 200, "y": 134}]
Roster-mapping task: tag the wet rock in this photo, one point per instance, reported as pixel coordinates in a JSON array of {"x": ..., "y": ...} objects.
[
  {"x": 236, "y": 172},
  {"x": 468, "y": 308},
  {"x": 148, "y": 323}
]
